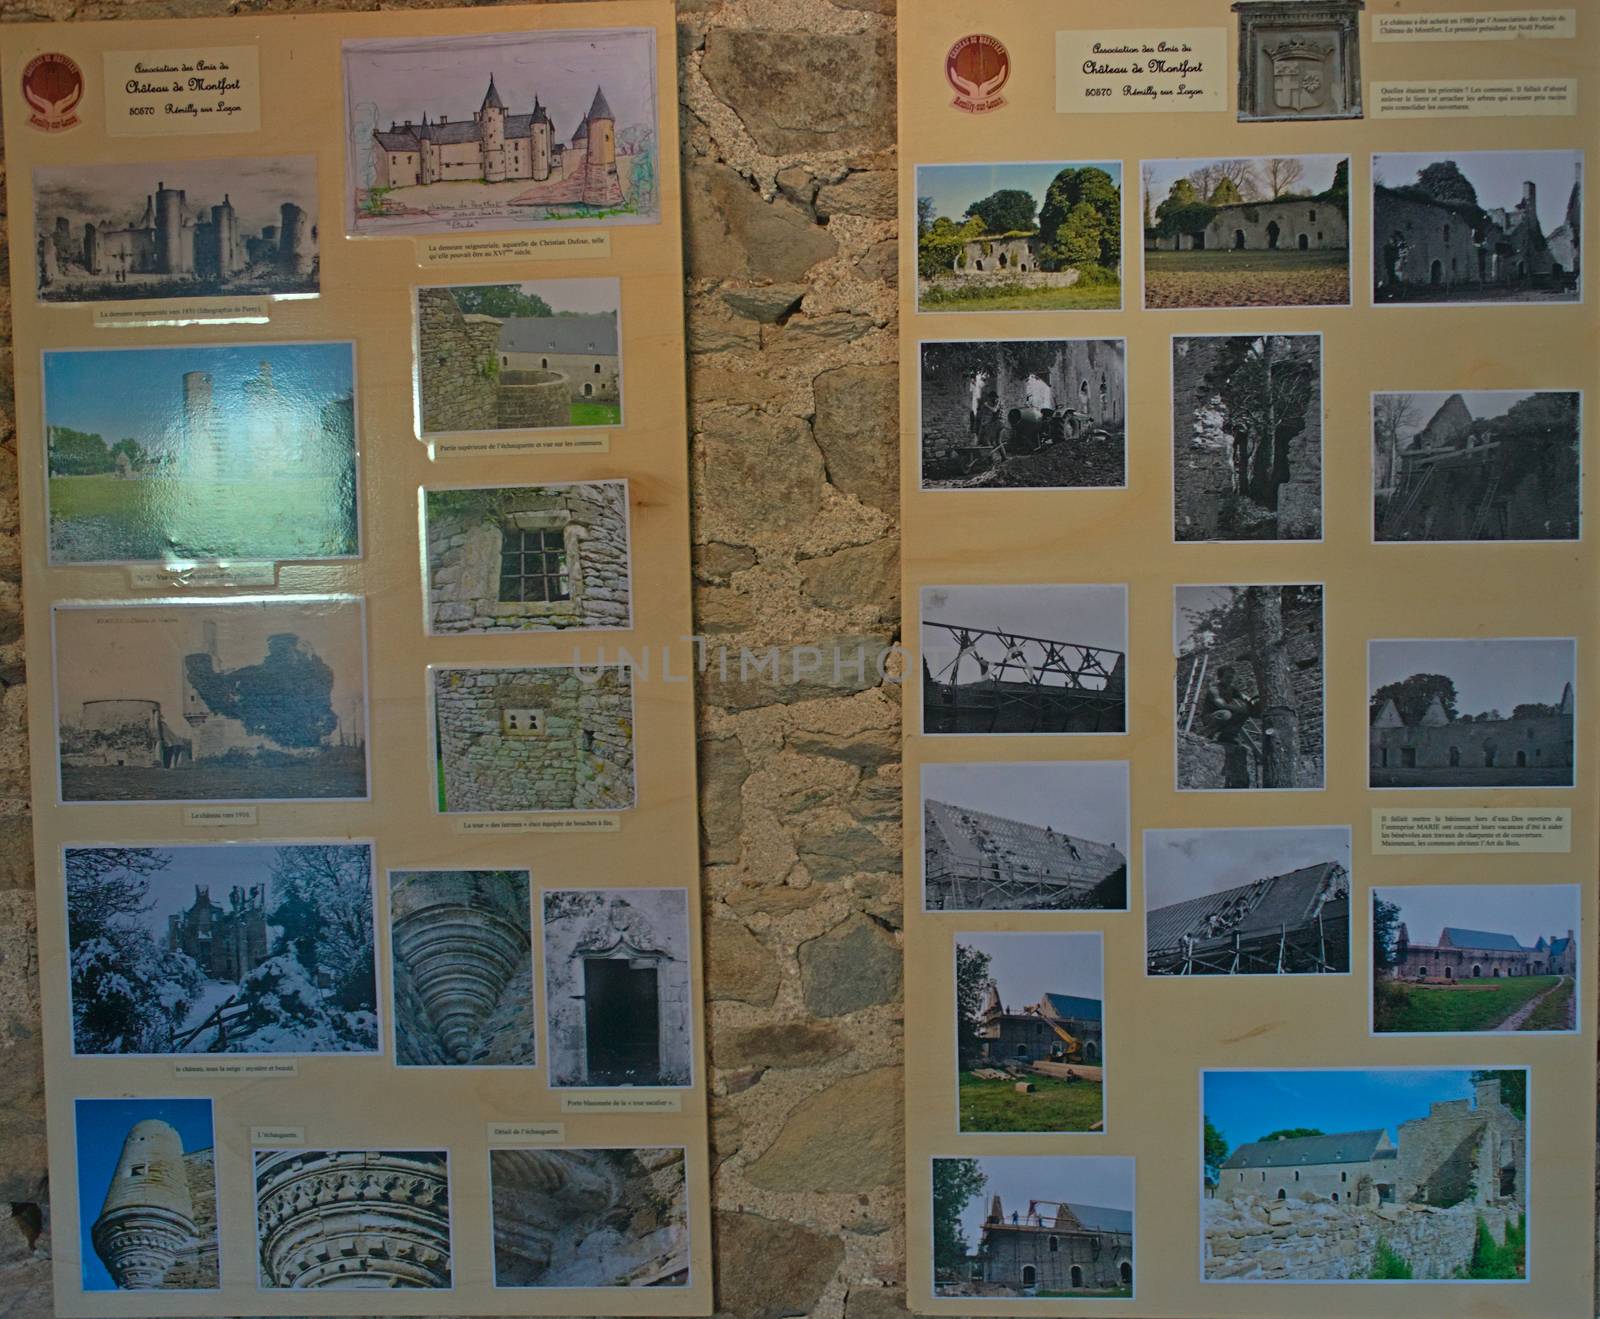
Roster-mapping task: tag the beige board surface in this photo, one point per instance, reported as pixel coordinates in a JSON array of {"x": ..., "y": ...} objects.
[
  {"x": 367, "y": 1103},
  {"x": 1161, "y": 1032}
]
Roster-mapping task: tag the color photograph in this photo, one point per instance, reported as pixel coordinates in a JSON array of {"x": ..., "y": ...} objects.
[
  {"x": 616, "y": 987},
  {"x": 245, "y": 226},
  {"x": 994, "y": 1237},
  {"x": 1457, "y": 959},
  {"x": 1030, "y": 1032},
  {"x": 1254, "y": 232},
  {"x": 1471, "y": 712},
  {"x": 1247, "y": 901},
  {"x": 1022, "y": 236},
  {"x": 1394, "y": 1174},
  {"x": 461, "y": 945},
  {"x": 590, "y": 1217},
  {"x": 538, "y": 558},
  {"x": 545, "y": 355},
  {"x": 162, "y": 455},
  {"x": 237, "y": 700},
  {"x": 505, "y": 130},
  {"x": 1025, "y": 836},
  {"x": 222, "y": 948},
  {"x": 147, "y": 1195}
]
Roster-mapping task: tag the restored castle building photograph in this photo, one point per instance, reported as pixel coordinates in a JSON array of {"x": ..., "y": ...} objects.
[
  {"x": 1024, "y": 414},
  {"x": 1268, "y": 231},
  {"x": 1255, "y": 901},
  {"x": 239, "y": 700},
  {"x": 1471, "y": 712},
  {"x": 1030, "y": 1031},
  {"x": 602, "y": 1217},
  {"x": 1025, "y": 836},
  {"x": 1010, "y": 1226},
  {"x": 200, "y": 453},
  {"x": 1024, "y": 659},
  {"x": 1474, "y": 465},
  {"x": 1393, "y": 1174},
  {"x": 237, "y": 948},
  {"x": 461, "y": 945},
  {"x": 1019, "y": 236},
  {"x": 541, "y": 355},
  {"x": 1477, "y": 227},
  {"x": 1469, "y": 959},
  {"x": 538, "y": 738},
  {"x": 501, "y": 131},
  {"x": 616, "y": 987},
  {"x": 237, "y": 226},
  {"x": 147, "y": 1195}
]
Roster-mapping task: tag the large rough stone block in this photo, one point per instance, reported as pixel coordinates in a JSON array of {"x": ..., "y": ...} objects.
[
  {"x": 857, "y": 428},
  {"x": 847, "y": 1138},
  {"x": 853, "y": 966},
  {"x": 732, "y": 233},
  {"x": 769, "y": 1269}
]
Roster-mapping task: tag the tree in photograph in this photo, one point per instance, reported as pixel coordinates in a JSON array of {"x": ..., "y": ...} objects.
[
  {"x": 323, "y": 903},
  {"x": 1060, "y": 231},
  {"x": 1291, "y": 1133},
  {"x": 1281, "y": 173},
  {"x": 1534, "y": 710},
  {"x": 1226, "y": 193},
  {"x": 1008, "y": 211},
  {"x": 1392, "y": 414},
  {"x": 1385, "y": 933},
  {"x": 1182, "y": 211},
  {"x": 1147, "y": 184},
  {"x": 287, "y": 697},
  {"x": 1339, "y": 190},
  {"x": 1266, "y": 387},
  {"x": 972, "y": 979},
  {"x": 1413, "y": 695},
  {"x": 503, "y": 300},
  {"x": 1213, "y": 1144},
  {"x": 1389, "y": 1001},
  {"x": 955, "y": 1183},
  {"x": 1444, "y": 182},
  {"x": 77, "y": 453},
  {"x": 1280, "y": 719},
  {"x": 940, "y": 248},
  {"x": 924, "y": 215},
  {"x": 1513, "y": 1087}
]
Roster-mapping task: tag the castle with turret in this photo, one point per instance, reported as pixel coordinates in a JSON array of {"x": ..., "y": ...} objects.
[
  {"x": 495, "y": 146},
  {"x": 157, "y": 1227}
]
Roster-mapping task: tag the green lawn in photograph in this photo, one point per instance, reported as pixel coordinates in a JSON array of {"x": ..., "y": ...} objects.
[
  {"x": 1222, "y": 278},
  {"x": 1055, "y": 1105},
  {"x": 1469, "y": 1005},
  {"x": 590, "y": 413},
  {"x": 1112, "y": 1294},
  {"x": 1093, "y": 297},
  {"x": 1554, "y": 1010}
]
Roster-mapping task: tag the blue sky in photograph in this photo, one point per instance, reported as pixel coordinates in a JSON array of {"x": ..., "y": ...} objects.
[
  {"x": 103, "y": 1124},
  {"x": 955, "y": 187},
  {"x": 1496, "y": 673},
  {"x": 1103, "y": 1180},
  {"x": 138, "y": 392},
  {"x": 1026, "y": 967},
  {"x": 1496, "y": 176},
  {"x": 1085, "y": 798},
  {"x": 1524, "y": 911},
  {"x": 1318, "y": 174}
]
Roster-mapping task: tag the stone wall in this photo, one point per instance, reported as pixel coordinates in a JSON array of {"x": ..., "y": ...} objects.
[
  {"x": 1321, "y": 225},
  {"x": 456, "y": 394},
  {"x": 532, "y": 400}
]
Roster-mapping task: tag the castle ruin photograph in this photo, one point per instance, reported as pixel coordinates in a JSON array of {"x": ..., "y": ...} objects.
[
  {"x": 544, "y": 355},
  {"x": 461, "y": 945},
  {"x": 997, "y": 1231},
  {"x": 1388, "y": 1175},
  {"x": 1477, "y": 227},
  {"x": 501, "y": 131},
  {"x": 147, "y": 1195},
  {"x": 1034, "y": 836},
  {"x": 239, "y": 226},
  {"x": 1456, "y": 959},
  {"x": 260, "y": 949},
  {"x": 590, "y": 1217},
  {"x": 1471, "y": 712},
  {"x": 1482, "y": 464}
]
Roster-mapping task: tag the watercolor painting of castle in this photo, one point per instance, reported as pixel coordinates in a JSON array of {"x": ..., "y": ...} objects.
[{"x": 504, "y": 131}]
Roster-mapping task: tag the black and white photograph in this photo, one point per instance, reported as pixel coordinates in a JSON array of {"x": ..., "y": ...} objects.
[
  {"x": 1477, "y": 464},
  {"x": 616, "y": 987},
  {"x": 212, "y": 700},
  {"x": 1024, "y": 414},
  {"x": 535, "y": 558},
  {"x": 1249, "y": 687},
  {"x": 1299, "y": 61},
  {"x": 1025, "y": 836},
  {"x": 353, "y": 1219},
  {"x": 1266, "y": 901},
  {"x": 573, "y": 1217},
  {"x": 1247, "y": 437},
  {"x": 1477, "y": 227},
  {"x": 221, "y": 948},
  {"x": 177, "y": 229},
  {"x": 1471, "y": 712},
  {"x": 461, "y": 945},
  {"x": 1024, "y": 659}
]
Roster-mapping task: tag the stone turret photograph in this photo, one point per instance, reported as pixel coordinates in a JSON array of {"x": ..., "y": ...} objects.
[
  {"x": 147, "y": 1195},
  {"x": 1477, "y": 227},
  {"x": 1457, "y": 959},
  {"x": 1471, "y": 712},
  {"x": 222, "y": 948},
  {"x": 244, "y": 700},
  {"x": 199, "y": 454},
  {"x": 461, "y": 945},
  {"x": 501, "y": 131},
  {"x": 542, "y": 355},
  {"x": 1395, "y": 1174},
  {"x": 242, "y": 226}
]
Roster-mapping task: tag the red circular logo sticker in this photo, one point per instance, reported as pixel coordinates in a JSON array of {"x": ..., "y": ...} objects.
[
  {"x": 52, "y": 85},
  {"x": 977, "y": 67}
]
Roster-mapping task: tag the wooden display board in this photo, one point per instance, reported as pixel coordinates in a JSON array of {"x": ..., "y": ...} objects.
[
  {"x": 354, "y": 472},
  {"x": 1250, "y": 855}
]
